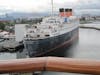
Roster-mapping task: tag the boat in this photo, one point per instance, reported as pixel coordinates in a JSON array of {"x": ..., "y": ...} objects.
[{"x": 52, "y": 35}]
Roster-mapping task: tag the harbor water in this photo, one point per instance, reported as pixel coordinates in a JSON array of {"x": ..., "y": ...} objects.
[{"x": 87, "y": 47}]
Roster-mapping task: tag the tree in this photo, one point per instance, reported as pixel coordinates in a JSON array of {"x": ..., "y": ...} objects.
[{"x": 2, "y": 26}]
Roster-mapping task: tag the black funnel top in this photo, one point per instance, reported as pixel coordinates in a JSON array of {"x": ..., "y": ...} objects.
[
  {"x": 61, "y": 10},
  {"x": 68, "y": 10}
]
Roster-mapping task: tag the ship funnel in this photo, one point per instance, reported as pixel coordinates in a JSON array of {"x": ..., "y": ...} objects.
[
  {"x": 61, "y": 12},
  {"x": 68, "y": 12}
]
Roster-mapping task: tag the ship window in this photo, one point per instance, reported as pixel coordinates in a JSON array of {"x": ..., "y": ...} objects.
[
  {"x": 47, "y": 35},
  {"x": 38, "y": 35},
  {"x": 26, "y": 35},
  {"x": 30, "y": 31},
  {"x": 35, "y": 26},
  {"x": 58, "y": 21},
  {"x": 51, "y": 21}
]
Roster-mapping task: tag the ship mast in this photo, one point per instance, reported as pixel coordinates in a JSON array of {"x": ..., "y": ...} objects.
[{"x": 52, "y": 8}]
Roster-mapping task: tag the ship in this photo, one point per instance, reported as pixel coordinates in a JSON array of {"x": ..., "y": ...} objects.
[{"x": 52, "y": 35}]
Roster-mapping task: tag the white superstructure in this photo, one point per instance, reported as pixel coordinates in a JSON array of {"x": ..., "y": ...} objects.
[{"x": 51, "y": 26}]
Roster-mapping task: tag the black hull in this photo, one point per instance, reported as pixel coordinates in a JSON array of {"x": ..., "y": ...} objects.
[{"x": 53, "y": 46}]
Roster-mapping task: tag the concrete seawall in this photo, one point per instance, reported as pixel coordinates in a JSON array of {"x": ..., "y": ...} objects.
[{"x": 90, "y": 26}]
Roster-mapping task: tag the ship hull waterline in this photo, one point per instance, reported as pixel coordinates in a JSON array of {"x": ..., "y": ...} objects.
[{"x": 53, "y": 46}]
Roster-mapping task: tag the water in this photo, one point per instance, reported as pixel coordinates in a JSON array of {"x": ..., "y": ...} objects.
[
  {"x": 88, "y": 47},
  {"x": 7, "y": 56}
]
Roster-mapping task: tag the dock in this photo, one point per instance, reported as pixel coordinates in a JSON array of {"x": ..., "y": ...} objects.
[
  {"x": 10, "y": 46},
  {"x": 91, "y": 26}
]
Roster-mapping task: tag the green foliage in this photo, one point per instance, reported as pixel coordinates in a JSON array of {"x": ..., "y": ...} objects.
[{"x": 2, "y": 25}]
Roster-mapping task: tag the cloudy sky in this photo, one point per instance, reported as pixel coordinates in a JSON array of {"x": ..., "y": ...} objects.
[{"x": 7, "y": 6}]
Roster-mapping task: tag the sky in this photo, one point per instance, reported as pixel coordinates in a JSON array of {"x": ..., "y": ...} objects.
[{"x": 7, "y": 6}]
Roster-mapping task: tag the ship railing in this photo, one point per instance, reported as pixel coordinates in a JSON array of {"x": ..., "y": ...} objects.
[{"x": 57, "y": 64}]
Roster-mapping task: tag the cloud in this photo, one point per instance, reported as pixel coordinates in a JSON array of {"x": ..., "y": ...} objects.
[
  {"x": 7, "y": 6},
  {"x": 87, "y": 11},
  {"x": 32, "y": 5},
  {"x": 88, "y": 4},
  {"x": 4, "y": 10}
]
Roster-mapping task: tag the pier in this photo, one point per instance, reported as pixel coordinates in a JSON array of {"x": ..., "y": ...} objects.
[
  {"x": 10, "y": 46},
  {"x": 57, "y": 64}
]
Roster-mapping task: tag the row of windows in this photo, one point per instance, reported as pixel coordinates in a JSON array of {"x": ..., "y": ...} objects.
[{"x": 52, "y": 21}]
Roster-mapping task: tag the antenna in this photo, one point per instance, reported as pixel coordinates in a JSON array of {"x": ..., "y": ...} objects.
[{"x": 52, "y": 7}]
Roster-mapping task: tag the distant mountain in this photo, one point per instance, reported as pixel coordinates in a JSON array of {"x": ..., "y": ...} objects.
[
  {"x": 6, "y": 19},
  {"x": 26, "y": 15},
  {"x": 14, "y": 15}
]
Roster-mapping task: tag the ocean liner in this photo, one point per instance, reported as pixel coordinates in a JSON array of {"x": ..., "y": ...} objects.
[{"x": 52, "y": 35}]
